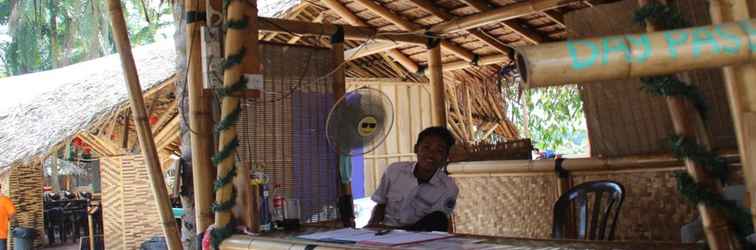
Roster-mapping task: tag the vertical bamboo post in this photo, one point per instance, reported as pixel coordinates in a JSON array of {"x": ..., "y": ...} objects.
[
  {"x": 436, "y": 75},
  {"x": 90, "y": 211},
  {"x": 203, "y": 173},
  {"x": 54, "y": 173},
  {"x": 686, "y": 123},
  {"x": 235, "y": 48},
  {"x": 249, "y": 66},
  {"x": 144, "y": 133},
  {"x": 742, "y": 94},
  {"x": 339, "y": 89},
  {"x": 125, "y": 131}
]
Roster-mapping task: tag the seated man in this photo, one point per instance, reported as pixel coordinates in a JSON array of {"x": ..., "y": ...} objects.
[{"x": 418, "y": 196}]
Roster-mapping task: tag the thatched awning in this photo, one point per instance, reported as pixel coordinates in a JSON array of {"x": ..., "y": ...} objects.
[{"x": 47, "y": 107}]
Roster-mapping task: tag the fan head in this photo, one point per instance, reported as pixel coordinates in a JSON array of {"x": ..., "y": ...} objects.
[{"x": 359, "y": 121}]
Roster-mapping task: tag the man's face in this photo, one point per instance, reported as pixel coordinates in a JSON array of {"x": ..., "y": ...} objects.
[{"x": 431, "y": 153}]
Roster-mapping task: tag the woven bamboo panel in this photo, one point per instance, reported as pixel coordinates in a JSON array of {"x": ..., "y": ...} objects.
[
  {"x": 652, "y": 210},
  {"x": 624, "y": 120},
  {"x": 129, "y": 211},
  {"x": 512, "y": 206},
  {"x": 522, "y": 206},
  {"x": 284, "y": 129},
  {"x": 112, "y": 202},
  {"x": 25, "y": 186}
]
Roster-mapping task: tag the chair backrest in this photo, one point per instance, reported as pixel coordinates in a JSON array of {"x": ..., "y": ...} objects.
[{"x": 603, "y": 217}]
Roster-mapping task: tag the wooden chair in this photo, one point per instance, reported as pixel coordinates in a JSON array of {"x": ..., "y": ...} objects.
[{"x": 604, "y": 212}]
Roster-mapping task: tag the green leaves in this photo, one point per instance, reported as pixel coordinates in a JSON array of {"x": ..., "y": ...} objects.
[
  {"x": 46, "y": 34},
  {"x": 552, "y": 117}
]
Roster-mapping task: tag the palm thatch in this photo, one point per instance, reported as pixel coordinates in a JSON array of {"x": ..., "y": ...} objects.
[{"x": 39, "y": 110}]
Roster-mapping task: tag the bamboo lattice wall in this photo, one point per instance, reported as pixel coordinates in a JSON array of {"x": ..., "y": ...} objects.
[
  {"x": 25, "y": 190},
  {"x": 130, "y": 215}
]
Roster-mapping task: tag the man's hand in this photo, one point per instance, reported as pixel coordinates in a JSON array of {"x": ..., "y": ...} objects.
[{"x": 376, "y": 220}]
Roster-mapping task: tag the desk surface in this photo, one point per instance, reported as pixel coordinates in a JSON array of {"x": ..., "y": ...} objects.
[{"x": 286, "y": 240}]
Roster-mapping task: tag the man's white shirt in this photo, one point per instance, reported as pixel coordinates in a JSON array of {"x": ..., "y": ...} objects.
[{"x": 407, "y": 201}]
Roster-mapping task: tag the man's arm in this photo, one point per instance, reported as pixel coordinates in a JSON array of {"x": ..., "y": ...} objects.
[
  {"x": 379, "y": 197},
  {"x": 376, "y": 219}
]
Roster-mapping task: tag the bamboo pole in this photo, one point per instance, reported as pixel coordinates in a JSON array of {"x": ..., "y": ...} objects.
[
  {"x": 352, "y": 19},
  {"x": 573, "y": 165},
  {"x": 339, "y": 89},
  {"x": 742, "y": 95},
  {"x": 629, "y": 56},
  {"x": 90, "y": 226},
  {"x": 250, "y": 66},
  {"x": 144, "y": 133},
  {"x": 370, "y": 48},
  {"x": 508, "y": 12},
  {"x": 203, "y": 173},
  {"x": 410, "y": 26},
  {"x": 125, "y": 131},
  {"x": 350, "y": 32},
  {"x": 237, "y": 11},
  {"x": 54, "y": 173},
  {"x": 438, "y": 105},
  {"x": 684, "y": 120}
]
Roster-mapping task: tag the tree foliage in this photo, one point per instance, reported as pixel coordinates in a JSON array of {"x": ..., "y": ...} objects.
[
  {"x": 551, "y": 117},
  {"x": 46, "y": 34}
]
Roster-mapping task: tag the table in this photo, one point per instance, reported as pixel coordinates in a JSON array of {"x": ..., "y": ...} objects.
[{"x": 286, "y": 240}]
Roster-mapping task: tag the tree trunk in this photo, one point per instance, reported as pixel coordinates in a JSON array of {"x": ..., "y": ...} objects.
[{"x": 188, "y": 226}]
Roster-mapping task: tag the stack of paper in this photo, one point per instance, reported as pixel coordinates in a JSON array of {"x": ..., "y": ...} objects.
[{"x": 369, "y": 237}]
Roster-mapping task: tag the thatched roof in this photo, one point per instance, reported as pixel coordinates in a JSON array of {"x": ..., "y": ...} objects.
[
  {"x": 47, "y": 107},
  {"x": 272, "y": 8}
]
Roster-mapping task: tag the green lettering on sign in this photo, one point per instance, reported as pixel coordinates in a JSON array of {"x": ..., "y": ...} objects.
[
  {"x": 640, "y": 43},
  {"x": 729, "y": 37},
  {"x": 582, "y": 63},
  {"x": 675, "y": 39},
  {"x": 701, "y": 38},
  {"x": 746, "y": 25},
  {"x": 614, "y": 44}
]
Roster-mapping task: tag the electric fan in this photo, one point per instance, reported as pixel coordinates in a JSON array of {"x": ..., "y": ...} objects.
[{"x": 359, "y": 121}]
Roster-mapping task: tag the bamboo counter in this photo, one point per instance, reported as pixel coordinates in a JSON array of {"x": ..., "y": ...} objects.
[{"x": 286, "y": 240}]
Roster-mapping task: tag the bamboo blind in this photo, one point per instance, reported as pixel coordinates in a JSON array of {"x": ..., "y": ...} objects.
[{"x": 284, "y": 130}]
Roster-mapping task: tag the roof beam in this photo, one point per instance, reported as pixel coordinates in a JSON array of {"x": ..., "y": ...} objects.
[
  {"x": 524, "y": 31},
  {"x": 500, "y": 14},
  {"x": 369, "y": 48},
  {"x": 555, "y": 16},
  {"x": 318, "y": 19},
  {"x": 515, "y": 26},
  {"x": 318, "y": 29},
  {"x": 478, "y": 34},
  {"x": 410, "y": 26},
  {"x": 352, "y": 19},
  {"x": 486, "y": 60}
]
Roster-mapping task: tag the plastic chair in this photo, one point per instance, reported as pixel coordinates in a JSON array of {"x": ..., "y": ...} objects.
[{"x": 604, "y": 212}]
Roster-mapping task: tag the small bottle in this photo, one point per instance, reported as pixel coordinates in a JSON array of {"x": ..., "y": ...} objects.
[
  {"x": 265, "y": 215},
  {"x": 277, "y": 212}
]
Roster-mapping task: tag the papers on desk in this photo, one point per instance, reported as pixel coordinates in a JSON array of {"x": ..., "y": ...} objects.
[{"x": 369, "y": 237}]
